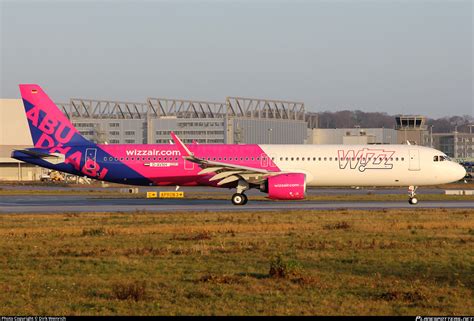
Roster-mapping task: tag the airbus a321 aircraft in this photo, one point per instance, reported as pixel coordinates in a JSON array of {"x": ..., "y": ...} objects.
[{"x": 282, "y": 171}]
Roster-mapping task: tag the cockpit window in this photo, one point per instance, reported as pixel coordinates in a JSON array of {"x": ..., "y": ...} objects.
[{"x": 441, "y": 158}]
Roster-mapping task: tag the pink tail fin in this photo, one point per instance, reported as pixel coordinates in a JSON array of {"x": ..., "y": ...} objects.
[{"x": 49, "y": 127}]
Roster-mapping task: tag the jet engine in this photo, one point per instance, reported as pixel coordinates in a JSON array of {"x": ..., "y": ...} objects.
[{"x": 290, "y": 186}]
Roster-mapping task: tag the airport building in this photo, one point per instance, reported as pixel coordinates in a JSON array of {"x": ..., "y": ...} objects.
[
  {"x": 235, "y": 121},
  {"x": 411, "y": 128},
  {"x": 14, "y": 134},
  {"x": 457, "y": 145},
  {"x": 352, "y": 136}
]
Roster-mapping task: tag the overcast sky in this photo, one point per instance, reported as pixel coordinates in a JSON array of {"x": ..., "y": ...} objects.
[{"x": 392, "y": 56}]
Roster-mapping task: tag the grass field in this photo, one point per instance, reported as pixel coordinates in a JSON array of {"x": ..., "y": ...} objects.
[{"x": 416, "y": 262}]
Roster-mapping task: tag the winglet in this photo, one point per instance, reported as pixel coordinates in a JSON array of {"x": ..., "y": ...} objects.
[{"x": 181, "y": 147}]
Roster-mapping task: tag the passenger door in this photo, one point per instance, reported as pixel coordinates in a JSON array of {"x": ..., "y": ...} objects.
[
  {"x": 189, "y": 166},
  {"x": 414, "y": 160},
  {"x": 264, "y": 160},
  {"x": 90, "y": 158}
]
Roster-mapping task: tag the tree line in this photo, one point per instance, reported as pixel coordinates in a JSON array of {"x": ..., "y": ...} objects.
[{"x": 354, "y": 118}]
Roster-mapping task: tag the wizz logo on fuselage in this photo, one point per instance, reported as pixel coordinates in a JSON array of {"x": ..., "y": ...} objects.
[{"x": 366, "y": 158}]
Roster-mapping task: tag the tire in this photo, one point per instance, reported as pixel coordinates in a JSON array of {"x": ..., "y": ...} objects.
[
  {"x": 239, "y": 199},
  {"x": 413, "y": 201}
]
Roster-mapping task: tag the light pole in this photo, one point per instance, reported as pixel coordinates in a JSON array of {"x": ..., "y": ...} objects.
[
  {"x": 472, "y": 145},
  {"x": 269, "y": 134},
  {"x": 431, "y": 136}
]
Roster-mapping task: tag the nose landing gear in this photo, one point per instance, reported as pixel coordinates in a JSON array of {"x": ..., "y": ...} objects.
[{"x": 412, "y": 194}]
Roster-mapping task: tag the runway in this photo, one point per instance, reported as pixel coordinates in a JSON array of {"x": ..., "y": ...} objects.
[{"x": 83, "y": 203}]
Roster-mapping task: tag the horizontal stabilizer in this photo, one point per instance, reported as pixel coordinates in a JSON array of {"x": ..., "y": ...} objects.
[{"x": 53, "y": 158}]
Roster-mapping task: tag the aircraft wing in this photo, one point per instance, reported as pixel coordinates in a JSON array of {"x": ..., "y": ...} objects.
[{"x": 224, "y": 172}]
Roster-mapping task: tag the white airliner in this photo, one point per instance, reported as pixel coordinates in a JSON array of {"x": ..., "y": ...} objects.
[{"x": 282, "y": 171}]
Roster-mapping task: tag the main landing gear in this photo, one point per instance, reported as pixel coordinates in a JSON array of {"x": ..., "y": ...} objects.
[
  {"x": 240, "y": 198},
  {"x": 412, "y": 194}
]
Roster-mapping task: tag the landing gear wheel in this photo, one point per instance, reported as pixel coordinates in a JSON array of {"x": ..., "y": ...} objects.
[
  {"x": 412, "y": 194},
  {"x": 413, "y": 201},
  {"x": 239, "y": 199}
]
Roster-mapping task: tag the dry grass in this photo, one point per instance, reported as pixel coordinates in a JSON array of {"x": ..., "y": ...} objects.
[{"x": 402, "y": 262}]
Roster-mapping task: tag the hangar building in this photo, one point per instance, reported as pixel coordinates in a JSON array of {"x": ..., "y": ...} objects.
[
  {"x": 14, "y": 134},
  {"x": 235, "y": 121}
]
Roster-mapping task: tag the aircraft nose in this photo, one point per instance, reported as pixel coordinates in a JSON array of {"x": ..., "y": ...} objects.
[{"x": 460, "y": 172}]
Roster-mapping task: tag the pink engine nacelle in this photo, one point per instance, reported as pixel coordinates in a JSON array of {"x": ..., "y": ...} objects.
[{"x": 286, "y": 186}]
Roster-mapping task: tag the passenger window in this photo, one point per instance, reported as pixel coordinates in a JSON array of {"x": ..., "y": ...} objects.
[
  {"x": 314, "y": 158},
  {"x": 319, "y": 158},
  {"x": 281, "y": 158},
  {"x": 330, "y": 158},
  {"x": 402, "y": 159},
  {"x": 297, "y": 158},
  {"x": 292, "y": 158},
  {"x": 325, "y": 158}
]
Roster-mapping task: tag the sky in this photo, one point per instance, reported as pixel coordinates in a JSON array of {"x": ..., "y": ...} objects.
[{"x": 399, "y": 57}]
